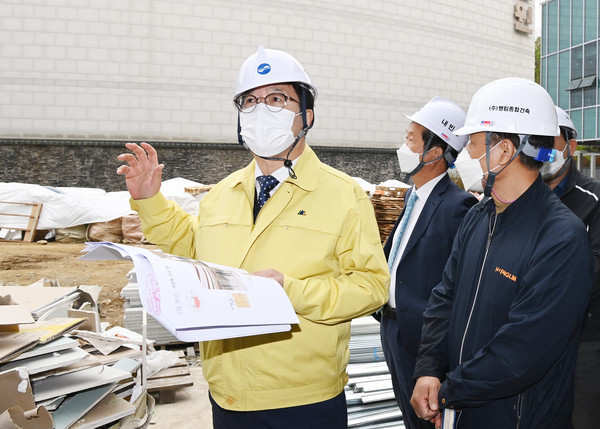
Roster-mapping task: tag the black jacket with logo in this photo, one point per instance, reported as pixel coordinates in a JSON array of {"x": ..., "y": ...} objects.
[
  {"x": 582, "y": 198},
  {"x": 501, "y": 329}
]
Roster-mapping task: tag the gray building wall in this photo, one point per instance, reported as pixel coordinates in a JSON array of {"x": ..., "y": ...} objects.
[{"x": 166, "y": 69}]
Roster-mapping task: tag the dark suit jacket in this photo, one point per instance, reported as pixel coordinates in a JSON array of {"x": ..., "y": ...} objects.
[{"x": 425, "y": 256}]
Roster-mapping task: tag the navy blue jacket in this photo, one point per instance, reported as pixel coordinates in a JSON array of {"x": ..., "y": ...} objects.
[
  {"x": 582, "y": 197},
  {"x": 425, "y": 256},
  {"x": 501, "y": 329}
]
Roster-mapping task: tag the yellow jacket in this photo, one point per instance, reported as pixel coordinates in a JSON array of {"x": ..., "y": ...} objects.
[{"x": 319, "y": 230}]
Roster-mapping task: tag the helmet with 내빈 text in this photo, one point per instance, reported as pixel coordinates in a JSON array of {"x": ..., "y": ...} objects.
[
  {"x": 511, "y": 105},
  {"x": 442, "y": 117},
  {"x": 270, "y": 66}
]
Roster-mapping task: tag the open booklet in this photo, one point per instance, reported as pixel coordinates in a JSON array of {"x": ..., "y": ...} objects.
[{"x": 200, "y": 301}]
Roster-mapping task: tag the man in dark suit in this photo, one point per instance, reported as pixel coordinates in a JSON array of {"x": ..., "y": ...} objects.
[{"x": 420, "y": 243}]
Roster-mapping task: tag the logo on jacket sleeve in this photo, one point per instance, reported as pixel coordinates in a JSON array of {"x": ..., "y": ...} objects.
[{"x": 506, "y": 274}]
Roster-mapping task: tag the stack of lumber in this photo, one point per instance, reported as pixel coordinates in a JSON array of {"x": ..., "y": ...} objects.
[{"x": 388, "y": 203}]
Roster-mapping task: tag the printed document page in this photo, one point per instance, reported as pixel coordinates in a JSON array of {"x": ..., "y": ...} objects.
[{"x": 199, "y": 301}]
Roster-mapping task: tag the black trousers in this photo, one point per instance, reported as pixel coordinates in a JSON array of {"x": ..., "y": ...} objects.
[
  {"x": 402, "y": 366},
  {"x": 586, "y": 413},
  {"x": 330, "y": 414}
]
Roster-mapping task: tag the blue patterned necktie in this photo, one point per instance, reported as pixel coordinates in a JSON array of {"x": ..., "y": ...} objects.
[
  {"x": 401, "y": 228},
  {"x": 267, "y": 184}
]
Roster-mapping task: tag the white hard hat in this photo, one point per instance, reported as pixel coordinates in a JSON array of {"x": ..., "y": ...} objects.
[
  {"x": 269, "y": 66},
  {"x": 511, "y": 105},
  {"x": 442, "y": 117},
  {"x": 564, "y": 120}
]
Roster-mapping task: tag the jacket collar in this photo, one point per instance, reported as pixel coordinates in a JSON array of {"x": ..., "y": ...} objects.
[
  {"x": 307, "y": 171},
  {"x": 532, "y": 197},
  {"x": 431, "y": 205},
  {"x": 429, "y": 209}
]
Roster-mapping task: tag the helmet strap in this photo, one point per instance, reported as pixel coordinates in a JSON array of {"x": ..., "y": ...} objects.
[
  {"x": 404, "y": 177},
  {"x": 489, "y": 182},
  {"x": 449, "y": 157},
  {"x": 239, "y": 131}
]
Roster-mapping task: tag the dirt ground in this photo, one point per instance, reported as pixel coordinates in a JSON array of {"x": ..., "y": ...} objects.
[{"x": 25, "y": 263}]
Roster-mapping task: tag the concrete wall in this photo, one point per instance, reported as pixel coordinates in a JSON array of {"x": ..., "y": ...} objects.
[
  {"x": 93, "y": 164},
  {"x": 165, "y": 70}
]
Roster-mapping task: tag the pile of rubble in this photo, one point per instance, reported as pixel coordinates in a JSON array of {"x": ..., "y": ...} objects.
[{"x": 60, "y": 369}]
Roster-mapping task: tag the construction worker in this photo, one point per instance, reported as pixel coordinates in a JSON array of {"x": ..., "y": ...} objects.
[
  {"x": 420, "y": 243},
  {"x": 581, "y": 194},
  {"x": 288, "y": 217},
  {"x": 500, "y": 331}
]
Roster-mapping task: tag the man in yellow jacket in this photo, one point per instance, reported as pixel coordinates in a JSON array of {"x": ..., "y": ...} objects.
[{"x": 285, "y": 216}]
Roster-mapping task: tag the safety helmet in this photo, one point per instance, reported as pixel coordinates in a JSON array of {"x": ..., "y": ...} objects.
[
  {"x": 511, "y": 105},
  {"x": 564, "y": 120},
  {"x": 270, "y": 66},
  {"x": 442, "y": 117}
]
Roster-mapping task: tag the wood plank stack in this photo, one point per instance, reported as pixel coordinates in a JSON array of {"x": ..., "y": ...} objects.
[
  {"x": 388, "y": 203},
  {"x": 165, "y": 382}
]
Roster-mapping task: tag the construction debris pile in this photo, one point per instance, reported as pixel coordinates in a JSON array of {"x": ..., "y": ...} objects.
[
  {"x": 60, "y": 369},
  {"x": 369, "y": 391}
]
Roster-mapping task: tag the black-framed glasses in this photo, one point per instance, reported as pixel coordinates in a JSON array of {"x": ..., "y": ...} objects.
[{"x": 275, "y": 102}]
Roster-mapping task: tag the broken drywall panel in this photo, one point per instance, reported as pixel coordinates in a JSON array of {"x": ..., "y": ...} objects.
[
  {"x": 88, "y": 378},
  {"x": 51, "y": 329},
  {"x": 92, "y": 317},
  {"x": 11, "y": 315},
  {"x": 16, "y": 390},
  {"x": 13, "y": 344},
  {"x": 108, "y": 410},
  {"x": 39, "y": 299},
  {"x": 51, "y": 404},
  {"x": 16, "y": 418},
  {"x": 88, "y": 361},
  {"x": 61, "y": 343},
  {"x": 47, "y": 362},
  {"x": 76, "y": 406}
]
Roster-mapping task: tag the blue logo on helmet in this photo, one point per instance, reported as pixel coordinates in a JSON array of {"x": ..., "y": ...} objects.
[{"x": 264, "y": 68}]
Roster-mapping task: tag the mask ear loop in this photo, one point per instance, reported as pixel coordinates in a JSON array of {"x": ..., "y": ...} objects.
[
  {"x": 489, "y": 182},
  {"x": 404, "y": 177},
  {"x": 567, "y": 163},
  {"x": 287, "y": 162}
]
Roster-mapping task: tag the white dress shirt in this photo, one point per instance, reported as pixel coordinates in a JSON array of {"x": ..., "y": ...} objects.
[
  {"x": 422, "y": 193},
  {"x": 281, "y": 174}
]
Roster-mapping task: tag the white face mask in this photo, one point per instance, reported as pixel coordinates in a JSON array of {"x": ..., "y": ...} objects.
[
  {"x": 470, "y": 170},
  {"x": 407, "y": 159},
  {"x": 549, "y": 169},
  {"x": 267, "y": 133}
]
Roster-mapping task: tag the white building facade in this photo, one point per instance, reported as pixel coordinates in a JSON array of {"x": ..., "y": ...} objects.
[{"x": 165, "y": 70}]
